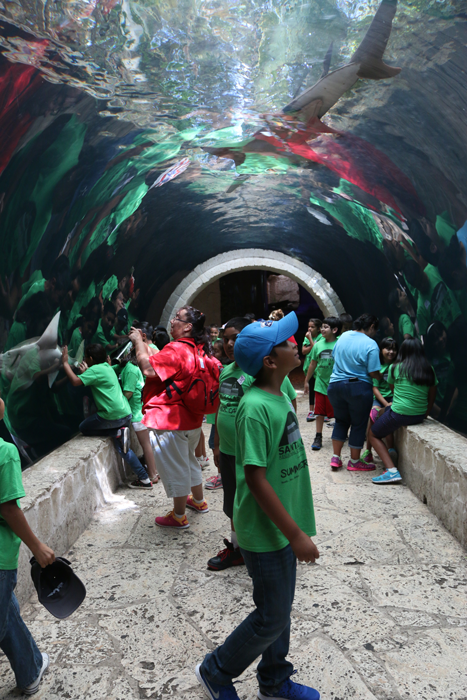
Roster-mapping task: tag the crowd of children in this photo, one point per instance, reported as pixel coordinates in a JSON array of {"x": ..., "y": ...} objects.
[{"x": 371, "y": 389}]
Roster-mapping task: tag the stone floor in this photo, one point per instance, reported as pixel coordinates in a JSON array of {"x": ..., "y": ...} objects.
[{"x": 383, "y": 614}]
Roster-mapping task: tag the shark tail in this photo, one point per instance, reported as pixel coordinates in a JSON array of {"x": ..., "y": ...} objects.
[{"x": 377, "y": 70}]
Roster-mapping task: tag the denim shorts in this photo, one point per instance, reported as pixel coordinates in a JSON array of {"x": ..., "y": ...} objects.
[
  {"x": 390, "y": 421},
  {"x": 351, "y": 402}
]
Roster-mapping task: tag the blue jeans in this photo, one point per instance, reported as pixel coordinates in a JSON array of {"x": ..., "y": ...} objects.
[
  {"x": 211, "y": 436},
  {"x": 99, "y": 427},
  {"x": 266, "y": 630},
  {"x": 351, "y": 402},
  {"x": 16, "y": 641}
]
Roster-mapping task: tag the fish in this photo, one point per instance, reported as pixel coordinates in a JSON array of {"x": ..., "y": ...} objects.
[
  {"x": 171, "y": 172},
  {"x": 366, "y": 62},
  {"x": 48, "y": 352},
  {"x": 318, "y": 215},
  {"x": 237, "y": 183}
]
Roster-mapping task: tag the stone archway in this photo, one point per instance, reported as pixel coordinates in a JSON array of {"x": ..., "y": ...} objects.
[{"x": 252, "y": 259}]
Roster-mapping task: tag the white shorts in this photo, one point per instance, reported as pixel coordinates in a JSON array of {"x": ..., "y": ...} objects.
[
  {"x": 176, "y": 462},
  {"x": 139, "y": 427}
]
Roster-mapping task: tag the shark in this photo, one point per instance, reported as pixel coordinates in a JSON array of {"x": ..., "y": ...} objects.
[{"x": 47, "y": 354}]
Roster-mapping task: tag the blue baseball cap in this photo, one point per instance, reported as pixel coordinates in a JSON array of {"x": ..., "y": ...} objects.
[{"x": 257, "y": 340}]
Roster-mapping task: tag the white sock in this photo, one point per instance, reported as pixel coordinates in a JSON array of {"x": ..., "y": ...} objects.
[
  {"x": 145, "y": 481},
  {"x": 180, "y": 517},
  {"x": 336, "y": 456},
  {"x": 233, "y": 539},
  {"x": 198, "y": 502},
  {"x": 393, "y": 470},
  {"x": 354, "y": 461}
]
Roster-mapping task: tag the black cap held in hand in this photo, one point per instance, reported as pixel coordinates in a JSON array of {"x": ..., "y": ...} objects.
[{"x": 58, "y": 588}]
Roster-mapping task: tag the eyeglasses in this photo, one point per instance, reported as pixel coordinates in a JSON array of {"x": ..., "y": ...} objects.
[{"x": 182, "y": 320}]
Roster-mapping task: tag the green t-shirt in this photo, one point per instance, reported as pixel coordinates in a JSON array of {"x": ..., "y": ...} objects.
[
  {"x": 322, "y": 354},
  {"x": 75, "y": 342},
  {"x": 409, "y": 399},
  {"x": 268, "y": 436},
  {"x": 108, "y": 397},
  {"x": 11, "y": 488},
  {"x": 406, "y": 326},
  {"x": 133, "y": 380},
  {"x": 383, "y": 384},
  {"x": 233, "y": 382},
  {"x": 100, "y": 337},
  {"x": 38, "y": 286},
  {"x": 306, "y": 364}
]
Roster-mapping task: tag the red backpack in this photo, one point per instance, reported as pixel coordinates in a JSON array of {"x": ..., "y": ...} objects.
[{"x": 200, "y": 393}]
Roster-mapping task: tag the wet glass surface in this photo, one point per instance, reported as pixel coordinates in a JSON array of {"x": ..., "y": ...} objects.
[{"x": 139, "y": 139}]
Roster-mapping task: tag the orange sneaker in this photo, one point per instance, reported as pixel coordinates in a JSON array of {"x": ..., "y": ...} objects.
[
  {"x": 199, "y": 507},
  {"x": 170, "y": 520}
]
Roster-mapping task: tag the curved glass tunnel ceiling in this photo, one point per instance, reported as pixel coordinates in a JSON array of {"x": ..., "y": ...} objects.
[{"x": 140, "y": 139}]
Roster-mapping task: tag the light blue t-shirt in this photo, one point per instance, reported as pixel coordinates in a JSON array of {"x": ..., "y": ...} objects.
[{"x": 355, "y": 355}]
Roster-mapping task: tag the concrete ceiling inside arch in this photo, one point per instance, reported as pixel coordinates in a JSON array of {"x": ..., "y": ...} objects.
[{"x": 149, "y": 137}]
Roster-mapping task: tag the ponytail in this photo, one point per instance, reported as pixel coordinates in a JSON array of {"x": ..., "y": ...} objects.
[
  {"x": 365, "y": 321},
  {"x": 199, "y": 333}
]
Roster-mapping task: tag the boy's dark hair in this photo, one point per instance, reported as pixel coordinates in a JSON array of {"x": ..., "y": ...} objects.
[
  {"x": 365, "y": 321},
  {"x": 114, "y": 295},
  {"x": 238, "y": 322},
  {"x": 213, "y": 325},
  {"x": 387, "y": 344},
  {"x": 273, "y": 352},
  {"x": 218, "y": 343},
  {"x": 96, "y": 352},
  {"x": 316, "y": 321},
  {"x": 333, "y": 322},
  {"x": 384, "y": 324},
  {"x": 199, "y": 333},
  {"x": 413, "y": 363},
  {"x": 251, "y": 316},
  {"x": 160, "y": 337},
  {"x": 109, "y": 307}
]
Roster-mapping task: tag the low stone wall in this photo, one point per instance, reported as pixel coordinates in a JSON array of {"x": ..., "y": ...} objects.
[
  {"x": 433, "y": 464},
  {"x": 63, "y": 491}
]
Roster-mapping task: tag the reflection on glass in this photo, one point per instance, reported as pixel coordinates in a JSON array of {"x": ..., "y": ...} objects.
[{"x": 140, "y": 140}]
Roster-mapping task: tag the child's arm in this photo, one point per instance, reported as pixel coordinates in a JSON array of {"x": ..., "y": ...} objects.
[
  {"x": 74, "y": 380},
  {"x": 309, "y": 374},
  {"x": 269, "y": 502},
  {"x": 431, "y": 399},
  {"x": 14, "y": 517},
  {"x": 142, "y": 355},
  {"x": 379, "y": 397}
]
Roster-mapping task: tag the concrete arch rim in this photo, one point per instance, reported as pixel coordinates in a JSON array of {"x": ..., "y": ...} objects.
[{"x": 252, "y": 259}]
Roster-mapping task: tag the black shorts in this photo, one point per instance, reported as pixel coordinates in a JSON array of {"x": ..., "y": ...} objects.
[{"x": 229, "y": 483}]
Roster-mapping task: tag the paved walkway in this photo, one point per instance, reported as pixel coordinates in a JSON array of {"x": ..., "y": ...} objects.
[{"x": 382, "y": 615}]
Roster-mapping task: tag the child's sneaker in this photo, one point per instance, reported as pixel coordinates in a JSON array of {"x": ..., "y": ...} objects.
[
  {"x": 360, "y": 466},
  {"x": 310, "y": 417},
  {"x": 291, "y": 691},
  {"x": 214, "y": 483},
  {"x": 336, "y": 463},
  {"x": 317, "y": 442},
  {"x": 171, "y": 520},
  {"x": 230, "y": 556},
  {"x": 137, "y": 484},
  {"x": 214, "y": 691},
  {"x": 33, "y": 688},
  {"x": 203, "y": 462},
  {"x": 200, "y": 507},
  {"x": 388, "y": 477},
  {"x": 367, "y": 457}
]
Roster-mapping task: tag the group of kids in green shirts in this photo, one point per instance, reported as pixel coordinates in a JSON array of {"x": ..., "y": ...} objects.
[{"x": 267, "y": 495}]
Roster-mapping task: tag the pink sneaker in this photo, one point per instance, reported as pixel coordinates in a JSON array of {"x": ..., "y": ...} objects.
[
  {"x": 336, "y": 463},
  {"x": 170, "y": 520},
  {"x": 360, "y": 466},
  {"x": 214, "y": 483},
  {"x": 200, "y": 507}
]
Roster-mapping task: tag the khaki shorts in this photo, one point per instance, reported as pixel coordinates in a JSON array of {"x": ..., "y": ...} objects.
[
  {"x": 176, "y": 462},
  {"x": 139, "y": 427}
]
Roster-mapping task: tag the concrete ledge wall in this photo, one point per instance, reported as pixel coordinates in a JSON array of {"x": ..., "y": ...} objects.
[
  {"x": 433, "y": 464},
  {"x": 63, "y": 491}
]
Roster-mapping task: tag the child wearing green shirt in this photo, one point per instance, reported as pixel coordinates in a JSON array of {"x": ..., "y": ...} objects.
[
  {"x": 16, "y": 641},
  {"x": 413, "y": 381},
  {"x": 113, "y": 410},
  {"x": 312, "y": 336},
  {"x": 321, "y": 365},
  {"x": 273, "y": 516}
]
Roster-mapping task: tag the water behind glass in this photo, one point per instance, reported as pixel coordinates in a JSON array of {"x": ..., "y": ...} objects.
[{"x": 140, "y": 139}]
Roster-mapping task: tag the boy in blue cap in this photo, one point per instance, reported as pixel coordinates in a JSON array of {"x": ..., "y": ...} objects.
[{"x": 273, "y": 517}]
